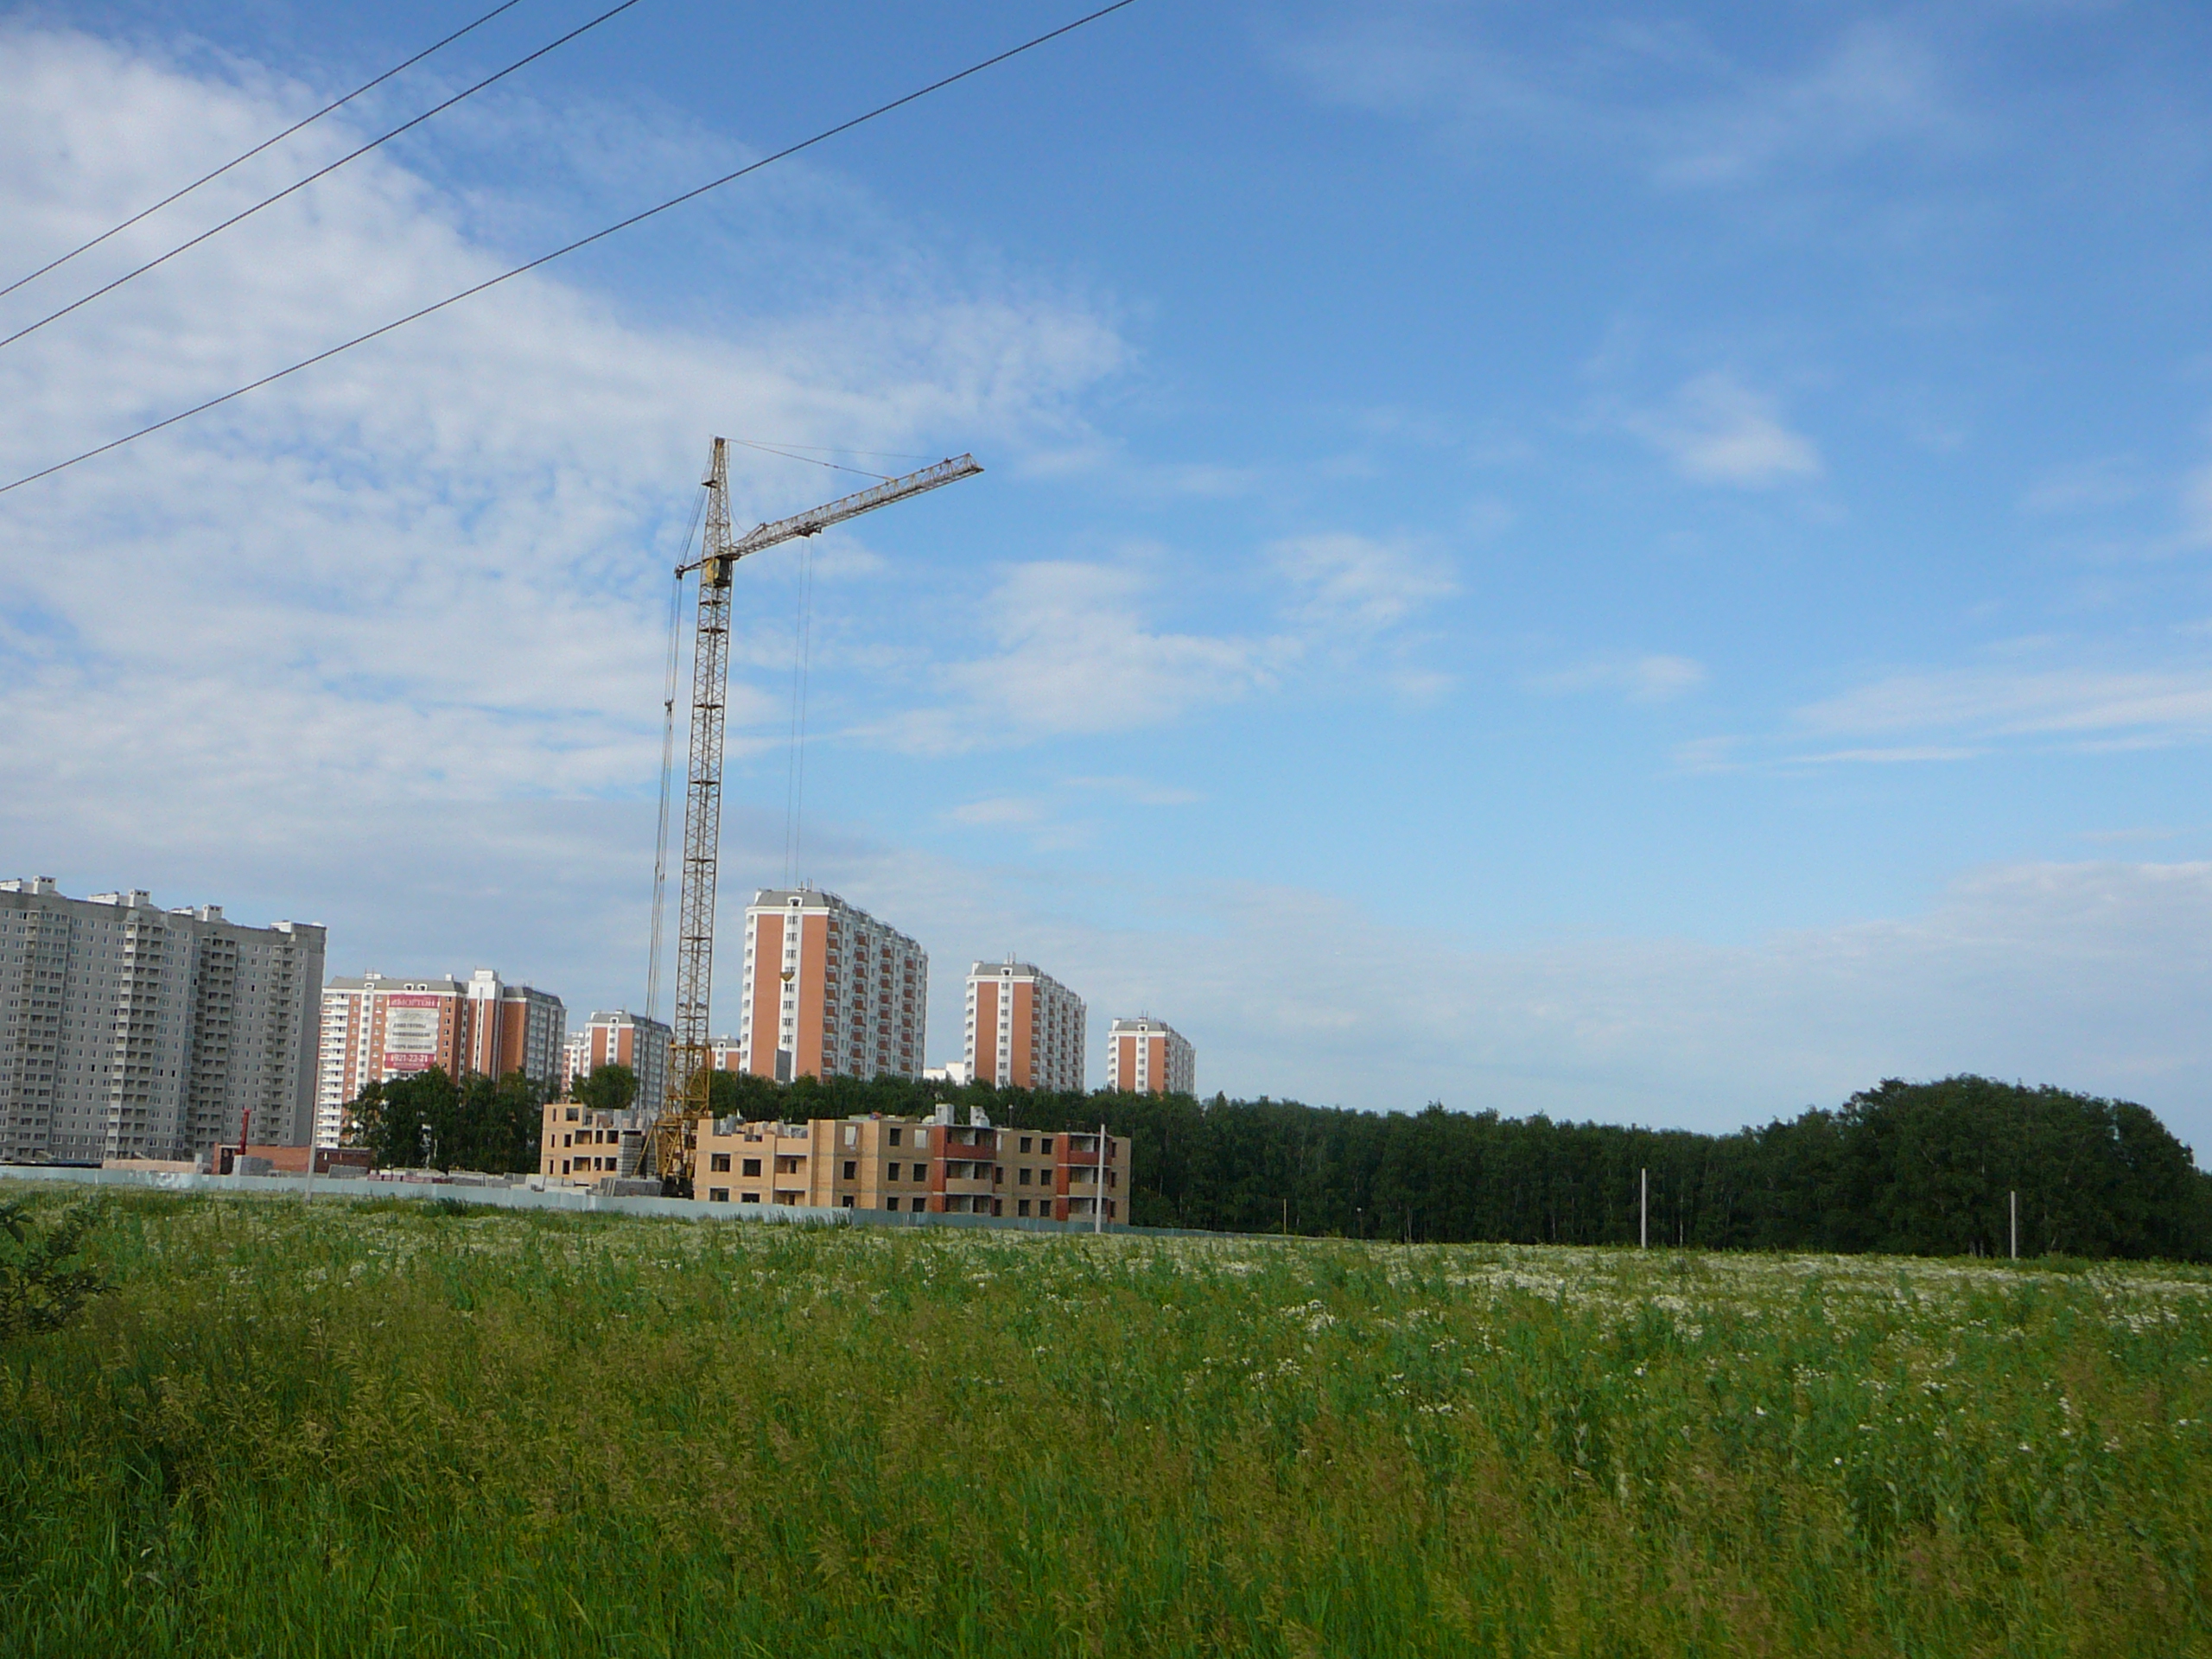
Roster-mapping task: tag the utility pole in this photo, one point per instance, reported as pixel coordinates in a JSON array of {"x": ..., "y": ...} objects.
[{"x": 1644, "y": 1209}]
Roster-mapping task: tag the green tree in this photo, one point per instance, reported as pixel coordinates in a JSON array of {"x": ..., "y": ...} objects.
[
  {"x": 743, "y": 1095},
  {"x": 608, "y": 1088},
  {"x": 426, "y": 1120},
  {"x": 1919, "y": 1168}
]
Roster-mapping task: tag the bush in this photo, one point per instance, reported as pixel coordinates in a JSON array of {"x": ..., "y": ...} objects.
[{"x": 45, "y": 1281}]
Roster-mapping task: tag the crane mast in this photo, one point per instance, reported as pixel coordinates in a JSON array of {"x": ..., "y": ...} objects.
[{"x": 672, "y": 1138}]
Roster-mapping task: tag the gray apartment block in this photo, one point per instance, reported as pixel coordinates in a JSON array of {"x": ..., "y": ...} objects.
[{"x": 128, "y": 1030}]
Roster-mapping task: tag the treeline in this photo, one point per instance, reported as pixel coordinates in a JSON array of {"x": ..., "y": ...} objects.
[
  {"x": 1911, "y": 1168},
  {"x": 429, "y": 1120}
]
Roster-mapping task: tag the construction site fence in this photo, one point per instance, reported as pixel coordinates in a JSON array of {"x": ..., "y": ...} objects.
[{"x": 520, "y": 1194}]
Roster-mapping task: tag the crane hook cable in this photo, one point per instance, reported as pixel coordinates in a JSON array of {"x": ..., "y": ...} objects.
[
  {"x": 581, "y": 242},
  {"x": 237, "y": 161},
  {"x": 667, "y": 763},
  {"x": 320, "y": 172},
  {"x": 802, "y": 669}
]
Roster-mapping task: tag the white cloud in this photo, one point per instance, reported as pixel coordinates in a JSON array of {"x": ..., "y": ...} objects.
[
  {"x": 1078, "y": 647},
  {"x": 998, "y": 811},
  {"x": 2003, "y": 701},
  {"x": 2196, "y": 507},
  {"x": 1676, "y": 105},
  {"x": 1875, "y": 88},
  {"x": 2090, "y": 976},
  {"x": 1641, "y": 679},
  {"x": 434, "y": 569},
  {"x": 1079, "y": 652},
  {"x": 1718, "y": 430},
  {"x": 1357, "y": 585},
  {"x": 1142, "y": 791},
  {"x": 2109, "y": 481}
]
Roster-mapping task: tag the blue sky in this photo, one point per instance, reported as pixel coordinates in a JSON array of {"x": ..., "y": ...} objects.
[{"x": 1643, "y": 563}]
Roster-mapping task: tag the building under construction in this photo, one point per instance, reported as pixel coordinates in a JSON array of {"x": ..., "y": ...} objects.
[{"x": 898, "y": 1164}]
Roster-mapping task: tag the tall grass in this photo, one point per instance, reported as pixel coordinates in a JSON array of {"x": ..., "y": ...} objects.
[{"x": 361, "y": 1429}]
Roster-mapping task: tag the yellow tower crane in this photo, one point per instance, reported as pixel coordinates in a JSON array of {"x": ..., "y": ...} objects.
[{"x": 672, "y": 1140}]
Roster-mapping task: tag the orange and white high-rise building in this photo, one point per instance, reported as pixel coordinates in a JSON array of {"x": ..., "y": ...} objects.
[
  {"x": 829, "y": 990},
  {"x": 1148, "y": 1056},
  {"x": 375, "y": 1028},
  {"x": 621, "y": 1038},
  {"x": 1025, "y": 1028}
]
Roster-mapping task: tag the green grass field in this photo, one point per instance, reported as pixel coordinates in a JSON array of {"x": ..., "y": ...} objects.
[{"x": 379, "y": 1428}]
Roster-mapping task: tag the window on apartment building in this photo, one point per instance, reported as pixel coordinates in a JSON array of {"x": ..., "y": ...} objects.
[
  {"x": 752, "y": 1167},
  {"x": 1023, "y": 1178},
  {"x": 750, "y": 1198},
  {"x": 998, "y": 1206},
  {"x": 564, "y": 1165},
  {"x": 892, "y": 1173},
  {"x": 998, "y": 1174},
  {"x": 718, "y": 1163},
  {"x": 1025, "y": 1143},
  {"x": 849, "y": 1201},
  {"x": 852, "y": 1170},
  {"x": 1046, "y": 1145},
  {"x": 718, "y": 1195},
  {"x": 894, "y": 1134},
  {"x": 1021, "y": 1207}
]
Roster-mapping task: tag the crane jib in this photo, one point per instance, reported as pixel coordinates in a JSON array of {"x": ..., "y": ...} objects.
[{"x": 814, "y": 521}]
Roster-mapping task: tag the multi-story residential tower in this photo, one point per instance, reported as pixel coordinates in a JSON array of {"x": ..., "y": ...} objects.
[
  {"x": 829, "y": 990},
  {"x": 1025, "y": 1028},
  {"x": 127, "y": 1031},
  {"x": 375, "y": 1028},
  {"x": 514, "y": 1028},
  {"x": 901, "y": 1163},
  {"x": 575, "y": 1048},
  {"x": 1147, "y": 1055},
  {"x": 624, "y": 1038}
]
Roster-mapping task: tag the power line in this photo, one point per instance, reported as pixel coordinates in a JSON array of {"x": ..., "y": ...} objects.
[
  {"x": 178, "y": 195},
  {"x": 270, "y": 201},
  {"x": 581, "y": 242}
]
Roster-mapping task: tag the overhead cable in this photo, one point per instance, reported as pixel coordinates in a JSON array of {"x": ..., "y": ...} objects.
[
  {"x": 270, "y": 201},
  {"x": 204, "y": 178},
  {"x": 580, "y": 242}
]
